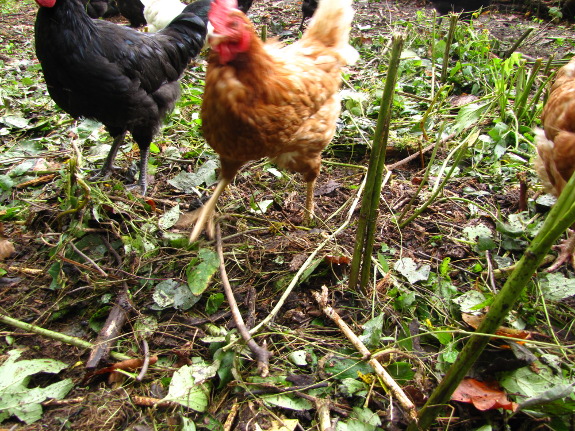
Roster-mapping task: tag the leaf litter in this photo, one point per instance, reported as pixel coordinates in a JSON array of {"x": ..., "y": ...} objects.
[{"x": 444, "y": 253}]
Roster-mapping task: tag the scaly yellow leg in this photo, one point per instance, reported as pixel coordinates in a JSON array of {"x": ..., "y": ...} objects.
[
  {"x": 308, "y": 216},
  {"x": 206, "y": 213}
]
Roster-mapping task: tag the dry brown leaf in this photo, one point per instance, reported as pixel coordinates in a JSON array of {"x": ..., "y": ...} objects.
[
  {"x": 6, "y": 248},
  {"x": 483, "y": 395},
  {"x": 474, "y": 321}
]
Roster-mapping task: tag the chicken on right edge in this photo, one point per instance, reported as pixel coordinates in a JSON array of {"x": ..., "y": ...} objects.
[
  {"x": 268, "y": 100},
  {"x": 555, "y": 162}
]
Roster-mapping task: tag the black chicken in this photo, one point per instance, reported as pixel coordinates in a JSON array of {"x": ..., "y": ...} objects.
[
  {"x": 123, "y": 78},
  {"x": 133, "y": 10},
  {"x": 100, "y": 8},
  {"x": 443, "y": 7},
  {"x": 308, "y": 8}
]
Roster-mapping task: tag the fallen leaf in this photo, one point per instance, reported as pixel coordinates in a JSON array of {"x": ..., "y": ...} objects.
[
  {"x": 297, "y": 261},
  {"x": 326, "y": 188},
  {"x": 474, "y": 321},
  {"x": 338, "y": 260},
  {"x": 6, "y": 248},
  {"x": 483, "y": 395}
]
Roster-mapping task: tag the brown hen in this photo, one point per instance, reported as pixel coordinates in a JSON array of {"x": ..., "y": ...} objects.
[
  {"x": 556, "y": 146},
  {"x": 268, "y": 100}
]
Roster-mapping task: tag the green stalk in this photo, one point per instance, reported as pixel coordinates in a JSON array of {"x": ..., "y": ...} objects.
[
  {"x": 530, "y": 111},
  {"x": 519, "y": 41},
  {"x": 67, "y": 339},
  {"x": 448, "y": 42},
  {"x": 560, "y": 218},
  {"x": 521, "y": 101},
  {"x": 424, "y": 179},
  {"x": 472, "y": 137},
  {"x": 370, "y": 200}
]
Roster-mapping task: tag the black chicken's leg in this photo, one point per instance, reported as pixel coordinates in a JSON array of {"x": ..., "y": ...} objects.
[
  {"x": 143, "y": 180},
  {"x": 108, "y": 166},
  {"x": 109, "y": 163}
]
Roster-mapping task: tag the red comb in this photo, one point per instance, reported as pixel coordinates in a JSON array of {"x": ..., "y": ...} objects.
[{"x": 219, "y": 10}]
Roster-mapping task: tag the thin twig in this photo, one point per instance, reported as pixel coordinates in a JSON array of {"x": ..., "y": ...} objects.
[
  {"x": 146, "y": 363},
  {"x": 490, "y": 275},
  {"x": 416, "y": 155},
  {"x": 94, "y": 264},
  {"x": 261, "y": 353},
  {"x": 393, "y": 387},
  {"x": 73, "y": 341}
]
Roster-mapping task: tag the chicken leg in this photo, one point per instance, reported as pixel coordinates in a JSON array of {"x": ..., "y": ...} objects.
[
  {"x": 566, "y": 252},
  {"x": 108, "y": 166},
  {"x": 206, "y": 213},
  {"x": 309, "y": 203}
]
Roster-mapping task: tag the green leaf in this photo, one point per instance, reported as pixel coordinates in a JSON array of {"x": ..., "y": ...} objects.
[
  {"x": 298, "y": 357},
  {"x": 214, "y": 302},
  {"x": 401, "y": 371},
  {"x": 171, "y": 293},
  {"x": 444, "y": 267},
  {"x": 345, "y": 368},
  {"x": 19, "y": 400},
  {"x": 350, "y": 387},
  {"x": 287, "y": 401},
  {"x": 15, "y": 122},
  {"x": 260, "y": 207},
  {"x": 6, "y": 182},
  {"x": 407, "y": 267},
  {"x": 170, "y": 217},
  {"x": 469, "y": 300},
  {"x": 556, "y": 287},
  {"x": 372, "y": 331},
  {"x": 227, "y": 364},
  {"x": 188, "y": 182},
  {"x": 146, "y": 325},
  {"x": 189, "y": 389},
  {"x": 199, "y": 277},
  {"x": 360, "y": 419},
  {"x": 310, "y": 269},
  {"x": 528, "y": 384},
  {"x": 469, "y": 115},
  {"x": 54, "y": 272},
  {"x": 187, "y": 424}
]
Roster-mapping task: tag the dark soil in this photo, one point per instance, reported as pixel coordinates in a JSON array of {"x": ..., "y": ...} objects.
[{"x": 264, "y": 261}]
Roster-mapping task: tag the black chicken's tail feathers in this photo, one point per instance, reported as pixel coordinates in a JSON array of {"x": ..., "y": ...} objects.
[
  {"x": 200, "y": 8},
  {"x": 188, "y": 31}
]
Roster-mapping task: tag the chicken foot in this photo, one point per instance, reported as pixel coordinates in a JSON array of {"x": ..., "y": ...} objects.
[
  {"x": 206, "y": 213},
  {"x": 566, "y": 252},
  {"x": 108, "y": 166},
  {"x": 309, "y": 203}
]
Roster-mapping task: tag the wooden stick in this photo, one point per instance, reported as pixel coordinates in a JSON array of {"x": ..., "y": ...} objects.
[
  {"x": 231, "y": 417},
  {"x": 322, "y": 407},
  {"x": 393, "y": 387},
  {"x": 111, "y": 330},
  {"x": 261, "y": 353},
  {"x": 94, "y": 264},
  {"x": 146, "y": 364}
]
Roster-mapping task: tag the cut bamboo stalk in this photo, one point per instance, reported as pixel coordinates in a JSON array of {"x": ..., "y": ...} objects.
[{"x": 370, "y": 202}]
